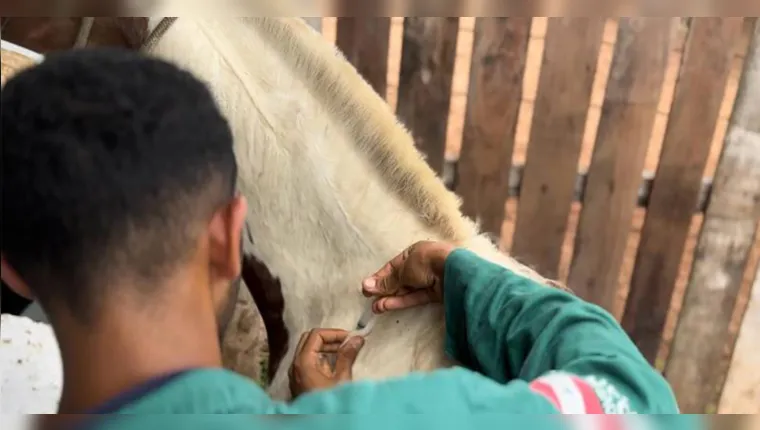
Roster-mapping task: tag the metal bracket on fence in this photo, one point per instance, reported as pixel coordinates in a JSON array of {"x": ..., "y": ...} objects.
[{"x": 451, "y": 178}]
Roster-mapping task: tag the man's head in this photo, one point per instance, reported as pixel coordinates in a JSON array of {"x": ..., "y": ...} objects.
[{"x": 118, "y": 187}]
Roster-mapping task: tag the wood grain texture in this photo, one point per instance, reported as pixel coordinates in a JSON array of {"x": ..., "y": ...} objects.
[
  {"x": 428, "y": 51},
  {"x": 628, "y": 112},
  {"x": 568, "y": 68},
  {"x": 364, "y": 42},
  {"x": 495, "y": 90},
  {"x": 697, "y": 364},
  {"x": 46, "y": 34},
  {"x": 705, "y": 66},
  {"x": 743, "y": 380}
]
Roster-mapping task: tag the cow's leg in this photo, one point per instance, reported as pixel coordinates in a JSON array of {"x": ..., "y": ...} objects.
[{"x": 244, "y": 348}]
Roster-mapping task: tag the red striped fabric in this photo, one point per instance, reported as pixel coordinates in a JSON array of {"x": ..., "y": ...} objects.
[{"x": 568, "y": 393}]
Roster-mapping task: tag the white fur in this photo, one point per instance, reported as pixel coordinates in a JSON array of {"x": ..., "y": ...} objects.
[{"x": 334, "y": 185}]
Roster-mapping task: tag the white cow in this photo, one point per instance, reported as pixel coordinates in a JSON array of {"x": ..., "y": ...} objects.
[{"x": 334, "y": 182}]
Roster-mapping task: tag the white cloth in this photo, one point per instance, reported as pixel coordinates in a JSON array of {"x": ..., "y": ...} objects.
[{"x": 32, "y": 374}]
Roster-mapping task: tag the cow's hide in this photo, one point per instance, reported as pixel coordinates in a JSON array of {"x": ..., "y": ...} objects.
[{"x": 334, "y": 184}]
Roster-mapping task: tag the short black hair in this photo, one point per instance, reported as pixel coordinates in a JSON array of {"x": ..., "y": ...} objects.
[{"x": 111, "y": 161}]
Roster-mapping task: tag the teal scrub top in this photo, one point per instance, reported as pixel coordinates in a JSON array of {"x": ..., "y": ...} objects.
[{"x": 524, "y": 349}]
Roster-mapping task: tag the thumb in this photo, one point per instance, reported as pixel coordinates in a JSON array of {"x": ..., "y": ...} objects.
[
  {"x": 347, "y": 354},
  {"x": 388, "y": 280},
  {"x": 384, "y": 282}
]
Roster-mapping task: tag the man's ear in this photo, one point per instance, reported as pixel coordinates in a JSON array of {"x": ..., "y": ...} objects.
[
  {"x": 13, "y": 280},
  {"x": 225, "y": 235}
]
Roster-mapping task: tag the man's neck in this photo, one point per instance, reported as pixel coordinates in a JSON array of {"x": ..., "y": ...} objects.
[{"x": 121, "y": 354}]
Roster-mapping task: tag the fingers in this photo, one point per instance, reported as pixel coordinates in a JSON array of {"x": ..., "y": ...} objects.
[
  {"x": 301, "y": 342},
  {"x": 347, "y": 356},
  {"x": 370, "y": 285},
  {"x": 387, "y": 280},
  {"x": 416, "y": 298},
  {"x": 300, "y": 358},
  {"x": 330, "y": 347},
  {"x": 319, "y": 339}
]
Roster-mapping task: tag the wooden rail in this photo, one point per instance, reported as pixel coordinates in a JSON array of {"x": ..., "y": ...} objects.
[
  {"x": 632, "y": 105},
  {"x": 515, "y": 174}
]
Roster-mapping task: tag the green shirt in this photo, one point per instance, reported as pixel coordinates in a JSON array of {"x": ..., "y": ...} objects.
[{"x": 524, "y": 348}]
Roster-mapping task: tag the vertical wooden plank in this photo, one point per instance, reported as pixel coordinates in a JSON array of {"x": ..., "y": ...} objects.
[
  {"x": 364, "y": 42},
  {"x": 571, "y": 52},
  {"x": 428, "y": 51},
  {"x": 743, "y": 378},
  {"x": 493, "y": 100},
  {"x": 696, "y": 367},
  {"x": 705, "y": 67},
  {"x": 315, "y": 22},
  {"x": 628, "y": 112}
]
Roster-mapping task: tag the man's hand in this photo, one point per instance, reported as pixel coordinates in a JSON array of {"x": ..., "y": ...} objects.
[
  {"x": 412, "y": 278},
  {"x": 311, "y": 369}
]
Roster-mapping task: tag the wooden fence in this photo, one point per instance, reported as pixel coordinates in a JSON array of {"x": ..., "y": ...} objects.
[{"x": 608, "y": 96}]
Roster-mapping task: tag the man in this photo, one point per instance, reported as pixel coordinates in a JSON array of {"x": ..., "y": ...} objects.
[{"x": 120, "y": 217}]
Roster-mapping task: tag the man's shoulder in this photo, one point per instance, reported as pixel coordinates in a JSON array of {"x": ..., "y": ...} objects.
[{"x": 203, "y": 391}]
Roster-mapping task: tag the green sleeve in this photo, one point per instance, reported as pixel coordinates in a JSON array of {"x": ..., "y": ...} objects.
[
  {"x": 445, "y": 397},
  {"x": 220, "y": 391},
  {"x": 447, "y": 391},
  {"x": 509, "y": 332},
  {"x": 508, "y": 327}
]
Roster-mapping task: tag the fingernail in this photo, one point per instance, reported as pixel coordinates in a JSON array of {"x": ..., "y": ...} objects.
[
  {"x": 357, "y": 341},
  {"x": 370, "y": 284}
]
